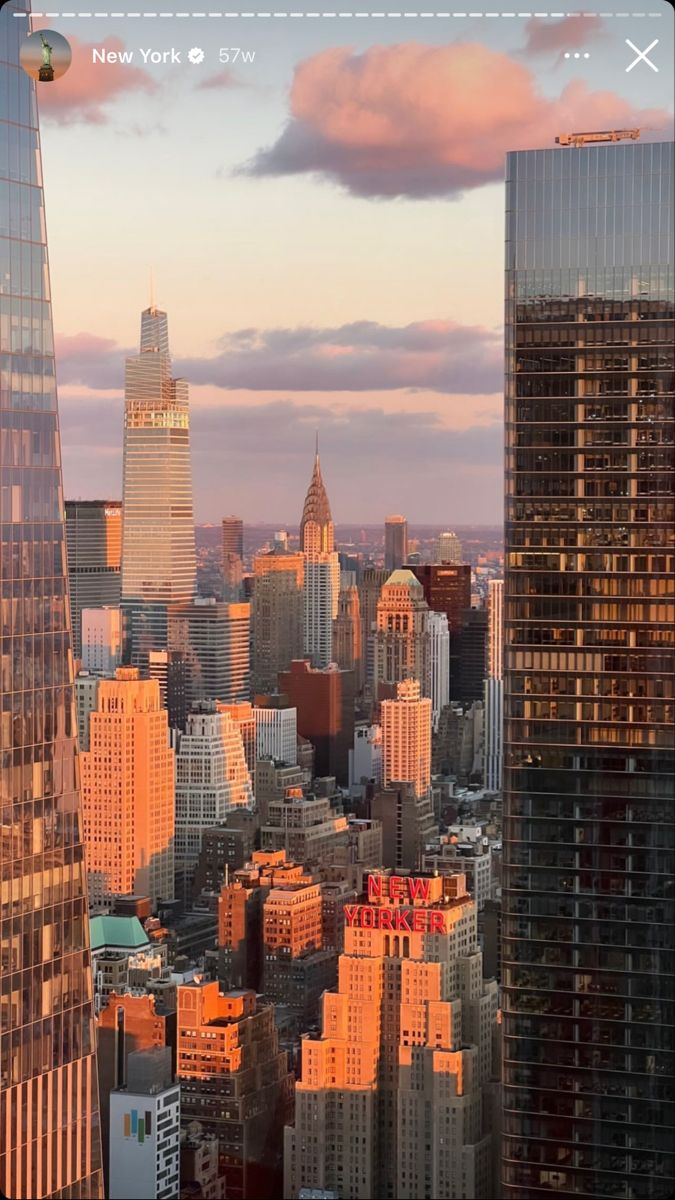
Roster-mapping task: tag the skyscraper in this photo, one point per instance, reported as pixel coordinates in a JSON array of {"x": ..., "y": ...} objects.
[
  {"x": 278, "y": 614},
  {"x": 406, "y": 738},
  {"x": 395, "y": 543},
  {"x": 215, "y": 640},
  {"x": 347, "y": 649},
  {"x": 402, "y": 636},
  {"x": 233, "y": 554},
  {"x": 370, "y": 585},
  {"x": 158, "y": 539},
  {"x": 324, "y": 700},
  {"x": 589, "y": 838},
  {"x": 322, "y": 570},
  {"x": 440, "y": 663},
  {"x": 448, "y": 549},
  {"x": 212, "y": 778},
  {"x": 395, "y": 1098},
  {"x": 128, "y": 792},
  {"x": 94, "y": 541},
  {"x": 50, "y": 1140}
]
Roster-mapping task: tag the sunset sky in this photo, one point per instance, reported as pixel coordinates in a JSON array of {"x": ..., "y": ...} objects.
[{"x": 325, "y": 227}]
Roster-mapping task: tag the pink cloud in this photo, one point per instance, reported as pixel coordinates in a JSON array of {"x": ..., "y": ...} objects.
[
  {"x": 415, "y": 120},
  {"x": 569, "y": 34},
  {"x": 87, "y": 88}
]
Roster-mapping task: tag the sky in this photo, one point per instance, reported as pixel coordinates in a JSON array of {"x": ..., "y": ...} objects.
[{"x": 324, "y": 224}]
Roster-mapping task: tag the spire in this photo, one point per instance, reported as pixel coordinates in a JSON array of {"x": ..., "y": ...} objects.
[
  {"x": 152, "y": 289},
  {"x": 317, "y": 508}
]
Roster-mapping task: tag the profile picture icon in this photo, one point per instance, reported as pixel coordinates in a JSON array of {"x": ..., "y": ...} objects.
[{"x": 45, "y": 55}]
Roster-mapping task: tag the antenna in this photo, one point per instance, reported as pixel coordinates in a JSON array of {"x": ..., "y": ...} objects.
[{"x": 152, "y": 288}]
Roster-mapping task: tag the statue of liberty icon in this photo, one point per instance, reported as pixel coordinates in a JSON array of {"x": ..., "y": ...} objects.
[{"x": 46, "y": 72}]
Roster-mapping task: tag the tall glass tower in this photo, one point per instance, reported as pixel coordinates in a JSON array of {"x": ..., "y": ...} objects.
[
  {"x": 49, "y": 1122},
  {"x": 589, "y": 822},
  {"x": 158, "y": 536}
]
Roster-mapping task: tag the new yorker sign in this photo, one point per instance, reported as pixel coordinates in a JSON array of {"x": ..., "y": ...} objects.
[{"x": 397, "y": 916}]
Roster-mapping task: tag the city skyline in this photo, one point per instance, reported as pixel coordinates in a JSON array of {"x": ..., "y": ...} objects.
[{"x": 394, "y": 356}]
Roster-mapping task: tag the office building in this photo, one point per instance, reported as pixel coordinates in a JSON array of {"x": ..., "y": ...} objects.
[
  {"x": 395, "y": 1097},
  {"x": 408, "y": 824},
  {"x": 224, "y": 849},
  {"x": 447, "y": 589},
  {"x": 243, "y": 715},
  {"x": 406, "y": 738},
  {"x": 402, "y": 636},
  {"x": 212, "y": 778},
  {"x": 276, "y": 730},
  {"x": 214, "y": 638},
  {"x": 101, "y": 636},
  {"x": 448, "y": 549},
  {"x": 94, "y": 544},
  {"x": 297, "y": 968},
  {"x": 199, "y": 1178},
  {"x": 273, "y": 779},
  {"x": 158, "y": 537},
  {"x": 365, "y": 759},
  {"x": 278, "y": 614},
  {"x": 322, "y": 571},
  {"x": 370, "y": 585},
  {"x": 128, "y": 793},
  {"x": 472, "y": 662},
  {"x": 324, "y": 699},
  {"x": 233, "y": 557},
  {"x": 493, "y": 689},
  {"x": 309, "y": 828},
  {"x": 48, "y": 1084},
  {"x": 395, "y": 543},
  {"x": 145, "y": 1130},
  {"x": 347, "y": 648},
  {"x": 240, "y": 916},
  {"x": 86, "y": 699},
  {"x": 589, "y": 839},
  {"x": 440, "y": 664},
  {"x": 171, "y": 669},
  {"x": 235, "y": 1081}
]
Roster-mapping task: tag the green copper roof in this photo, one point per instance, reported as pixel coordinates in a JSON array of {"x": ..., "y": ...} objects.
[{"x": 117, "y": 933}]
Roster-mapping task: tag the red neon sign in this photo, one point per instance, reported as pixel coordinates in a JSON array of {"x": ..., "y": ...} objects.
[{"x": 398, "y": 920}]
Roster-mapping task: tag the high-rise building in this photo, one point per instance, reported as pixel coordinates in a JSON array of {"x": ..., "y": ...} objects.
[
  {"x": 233, "y": 556},
  {"x": 212, "y": 778},
  {"x": 50, "y": 1140},
  {"x": 307, "y": 827},
  {"x": 215, "y": 639},
  {"x": 589, "y": 838},
  {"x": 347, "y": 648},
  {"x": 240, "y": 916},
  {"x": 86, "y": 699},
  {"x": 324, "y": 699},
  {"x": 467, "y": 684},
  {"x": 370, "y": 585},
  {"x": 493, "y": 698},
  {"x": 365, "y": 758},
  {"x": 276, "y": 731},
  {"x": 448, "y": 549},
  {"x": 158, "y": 537},
  {"x": 440, "y": 664},
  {"x": 224, "y": 849},
  {"x": 278, "y": 614},
  {"x": 101, "y": 640},
  {"x": 395, "y": 543},
  {"x": 272, "y": 782},
  {"x": 171, "y": 669},
  {"x": 145, "y": 1129},
  {"x": 94, "y": 542},
  {"x": 447, "y": 588},
  {"x": 235, "y": 1081},
  {"x": 406, "y": 738},
  {"x": 322, "y": 571},
  {"x": 408, "y": 824},
  {"x": 296, "y": 967},
  {"x": 396, "y": 1097},
  {"x": 128, "y": 793},
  {"x": 403, "y": 636}
]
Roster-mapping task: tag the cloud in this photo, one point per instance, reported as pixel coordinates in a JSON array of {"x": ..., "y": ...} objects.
[
  {"x": 573, "y": 32},
  {"x": 424, "y": 121},
  {"x": 373, "y": 460},
  {"x": 225, "y": 78},
  {"x": 438, "y": 356},
  {"x": 87, "y": 89}
]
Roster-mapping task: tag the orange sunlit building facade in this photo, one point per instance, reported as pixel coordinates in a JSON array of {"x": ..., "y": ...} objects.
[
  {"x": 396, "y": 1093},
  {"x": 128, "y": 793}
]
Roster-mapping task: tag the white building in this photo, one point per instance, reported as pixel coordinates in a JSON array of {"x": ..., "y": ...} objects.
[
  {"x": 101, "y": 640},
  {"x": 365, "y": 759},
  {"x": 322, "y": 571},
  {"x": 406, "y": 738},
  {"x": 495, "y": 607},
  {"x": 493, "y": 742},
  {"x": 212, "y": 777},
  {"x": 440, "y": 663},
  {"x": 276, "y": 734},
  {"x": 145, "y": 1130}
]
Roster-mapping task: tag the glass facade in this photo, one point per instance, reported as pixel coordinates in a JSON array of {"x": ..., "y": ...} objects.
[
  {"x": 158, "y": 537},
  {"x": 49, "y": 1123},
  {"x": 94, "y": 541},
  {"x": 589, "y": 833}
]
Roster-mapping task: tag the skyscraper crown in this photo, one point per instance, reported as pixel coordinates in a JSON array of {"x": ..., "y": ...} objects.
[
  {"x": 317, "y": 508},
  {"x": 154, "y": 331}
]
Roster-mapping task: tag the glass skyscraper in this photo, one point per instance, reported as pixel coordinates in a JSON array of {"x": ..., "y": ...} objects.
[
  {"x": 158, "y": 537},
  {"x": 589, "y": 832},
  {"x": 49, "y": 1123}
]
